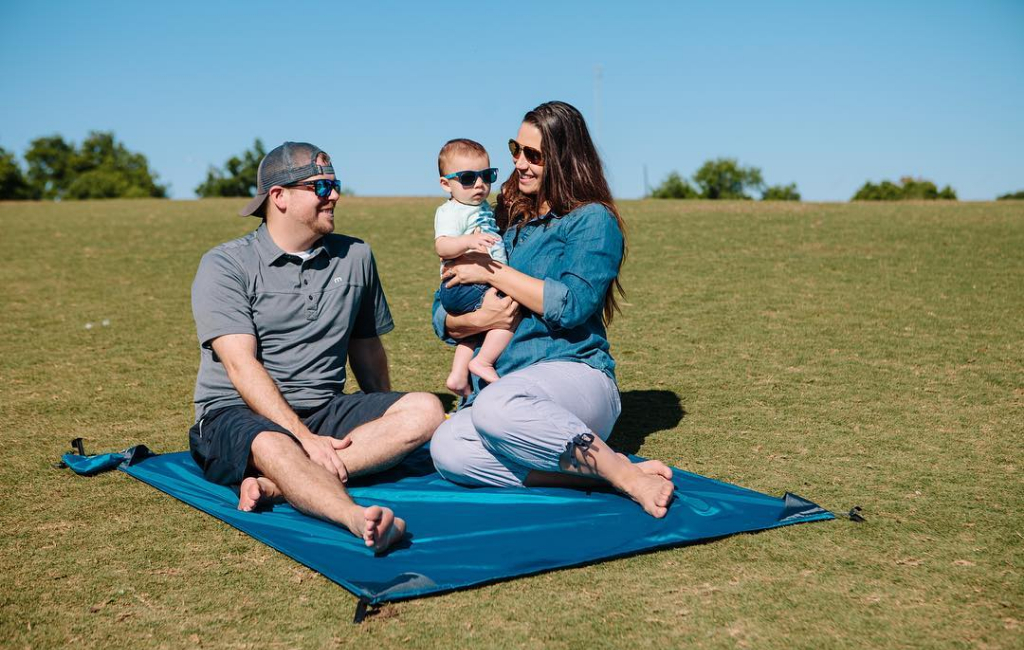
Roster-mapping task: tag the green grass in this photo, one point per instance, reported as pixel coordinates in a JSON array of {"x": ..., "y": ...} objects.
[{"x": 855, "y": 354}]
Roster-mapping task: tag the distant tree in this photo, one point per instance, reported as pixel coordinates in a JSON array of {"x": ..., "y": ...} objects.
[
  {"x": 13, "y": 186},
  {"x": 237, "y": 178},
  {"x": 50, "y": 166},
  {"x": 1015, "y": 196},
  {"x": 674, "y": 187},
  {"x": 781, "y": 193},
  {"x": 101, "y": 167},
  {"x": 909, "y": 188},
  {"x": 723, "y": 178}
]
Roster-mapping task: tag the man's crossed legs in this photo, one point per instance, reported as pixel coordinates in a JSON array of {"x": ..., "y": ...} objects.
[{"x": 375, "y": 431}]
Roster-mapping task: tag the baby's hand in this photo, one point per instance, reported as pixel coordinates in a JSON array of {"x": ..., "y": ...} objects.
[{"x": 481, "y": 242}]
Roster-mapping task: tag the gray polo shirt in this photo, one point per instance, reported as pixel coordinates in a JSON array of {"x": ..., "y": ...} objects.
[{"x": 302, "y": 313}]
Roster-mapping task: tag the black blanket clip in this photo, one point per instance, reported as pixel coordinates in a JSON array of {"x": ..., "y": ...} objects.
[
  {"x": 854, "y": 515},
  {"x": 360, "y": 611}
]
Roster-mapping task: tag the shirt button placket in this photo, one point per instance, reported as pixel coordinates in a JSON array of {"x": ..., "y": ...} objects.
[{"x": 310, "y": 298}]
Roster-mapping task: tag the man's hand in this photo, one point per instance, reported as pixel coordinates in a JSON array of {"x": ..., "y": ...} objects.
[{"x": 322, "y": 450}]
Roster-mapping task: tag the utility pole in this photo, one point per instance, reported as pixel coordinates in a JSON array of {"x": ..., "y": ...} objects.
[{"x": 597, "y": 101}]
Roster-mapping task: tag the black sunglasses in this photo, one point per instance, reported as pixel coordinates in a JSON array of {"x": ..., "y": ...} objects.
[
  {"x": 533, "y": 156},
  {"x": 468, "y": 178},
  {"x": 322, "y": 186}
]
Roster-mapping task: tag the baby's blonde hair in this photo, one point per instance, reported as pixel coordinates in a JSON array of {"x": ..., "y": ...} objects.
[{"x": 458, "y": 146}]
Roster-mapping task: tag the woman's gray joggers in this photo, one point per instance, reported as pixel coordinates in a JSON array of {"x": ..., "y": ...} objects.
[{"x": 525, "y": 422}]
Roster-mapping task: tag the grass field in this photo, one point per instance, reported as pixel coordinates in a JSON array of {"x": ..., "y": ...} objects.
[{"x": 866, "y": 355}]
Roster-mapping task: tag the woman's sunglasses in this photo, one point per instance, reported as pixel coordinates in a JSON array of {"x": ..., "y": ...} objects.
[
  {"x": 533, "y": 156},
  {"x": 468, "y": 179},
  {"x": 322, "y": 186}
]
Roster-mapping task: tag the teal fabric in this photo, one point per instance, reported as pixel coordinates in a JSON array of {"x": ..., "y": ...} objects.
[{"x": 460, "y": 537}]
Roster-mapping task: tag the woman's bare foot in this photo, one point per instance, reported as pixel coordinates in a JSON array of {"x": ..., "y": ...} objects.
[
  {"x": 650, "y": 488},
  {"x": 458, "y": 383},
  {"x": 256, "y": 491},
  {"x": 652, "y": 467},
  {"x": 378, "y": 526},
  {"x": 655, "y": 468},
  {"x": 483, "y": 370}
]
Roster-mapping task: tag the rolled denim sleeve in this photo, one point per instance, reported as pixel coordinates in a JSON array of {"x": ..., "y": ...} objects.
[
  {"x": 439, "y": 319},
  {"x": 593, "y": 252}
]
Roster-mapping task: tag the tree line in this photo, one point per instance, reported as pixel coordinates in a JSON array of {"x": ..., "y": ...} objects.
[
  {"x": 98, "y": 168},
  {"x": 725, "y": 178},
  {"x": 101, "y": 167}
]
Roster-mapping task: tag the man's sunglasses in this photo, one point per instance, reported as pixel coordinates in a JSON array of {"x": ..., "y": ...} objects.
[
  {"x": 322, "y": 186},
  {"x": 533, "y": 156},
  {"x": 468, "y": 179}
]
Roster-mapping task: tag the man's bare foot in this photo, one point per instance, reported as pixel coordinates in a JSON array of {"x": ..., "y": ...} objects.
[
  {"x": 483, "y": 370},
  {"x": 650, "y": 489},
  {"x": 458, "y": 383},
  {"x": 381, "y": 528},
  {"x": 256, "y": 491}
]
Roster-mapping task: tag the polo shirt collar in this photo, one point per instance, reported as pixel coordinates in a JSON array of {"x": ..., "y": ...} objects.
[{"x": 271, "y": 253}]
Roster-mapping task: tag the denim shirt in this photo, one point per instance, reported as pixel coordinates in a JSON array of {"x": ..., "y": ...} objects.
[{"x": 577, "y": 256}]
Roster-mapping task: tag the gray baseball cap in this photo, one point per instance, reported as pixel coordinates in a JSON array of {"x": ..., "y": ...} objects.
[{"x": 288, "y": 163}]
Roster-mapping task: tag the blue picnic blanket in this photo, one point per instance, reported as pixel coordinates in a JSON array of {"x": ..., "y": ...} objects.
[{"x": 459, "y": 537}]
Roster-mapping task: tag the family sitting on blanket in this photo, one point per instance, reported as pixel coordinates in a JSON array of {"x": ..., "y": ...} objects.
[{"x": 279, "y": 311}]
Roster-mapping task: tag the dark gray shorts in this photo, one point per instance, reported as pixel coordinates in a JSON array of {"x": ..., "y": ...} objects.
[{"x": 221, "y": 442}]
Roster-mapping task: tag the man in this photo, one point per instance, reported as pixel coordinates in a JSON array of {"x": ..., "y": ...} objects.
[{"x": 278, "y": 312}]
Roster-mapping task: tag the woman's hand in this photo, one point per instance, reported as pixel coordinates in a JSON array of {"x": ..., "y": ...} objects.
[
  {"x": 470, "y": 268},
  {"x": 494, "y": 313},
  {"x": 497, "y": 313}
]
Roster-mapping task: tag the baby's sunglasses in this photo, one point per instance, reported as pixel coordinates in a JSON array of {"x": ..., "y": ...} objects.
[
  {"x": 322, "y": 186},
  {"x": 533, "y": 156},
  {"x": 468, "y": 178}
]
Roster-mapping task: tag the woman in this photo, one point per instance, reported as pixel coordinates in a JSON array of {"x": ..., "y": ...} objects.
[{"x": 546, "y": 420}]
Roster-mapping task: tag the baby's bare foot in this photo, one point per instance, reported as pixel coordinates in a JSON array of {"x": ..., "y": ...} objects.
[{"x": 483, "y": 370}]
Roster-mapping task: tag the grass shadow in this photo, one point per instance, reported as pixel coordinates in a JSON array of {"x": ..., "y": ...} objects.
[{"x": 645, "y": 412}]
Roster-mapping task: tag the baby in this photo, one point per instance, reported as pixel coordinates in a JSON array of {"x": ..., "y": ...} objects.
[{"x": 465, "y": 222}]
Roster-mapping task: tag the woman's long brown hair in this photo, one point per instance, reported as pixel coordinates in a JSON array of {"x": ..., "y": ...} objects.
[{"x": 573, "y": 176}]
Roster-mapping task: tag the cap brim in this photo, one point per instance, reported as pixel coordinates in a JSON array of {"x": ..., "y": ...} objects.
[{"x": 252, "y": 206}]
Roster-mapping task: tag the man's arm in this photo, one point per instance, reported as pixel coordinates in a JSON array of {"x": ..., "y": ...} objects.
[
  {"x": 369, "y": 364},
  {"x": 252, "y": 381}
]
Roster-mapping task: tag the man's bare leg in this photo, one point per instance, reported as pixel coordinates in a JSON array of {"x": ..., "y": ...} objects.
[
  {"x": 384, "y": 442},
  {"x": 648, "y": 482},
  {"x": 379, "y": 444},
  {"x": 287, "y": 471}
]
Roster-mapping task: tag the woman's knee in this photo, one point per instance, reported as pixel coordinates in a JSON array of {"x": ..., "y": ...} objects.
[
  {"x": 445, "y": 449},
  {"x": 499, "y": 407}
]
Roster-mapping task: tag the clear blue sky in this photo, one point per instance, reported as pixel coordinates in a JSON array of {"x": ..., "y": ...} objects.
[{"x": 826, "y": 94}]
